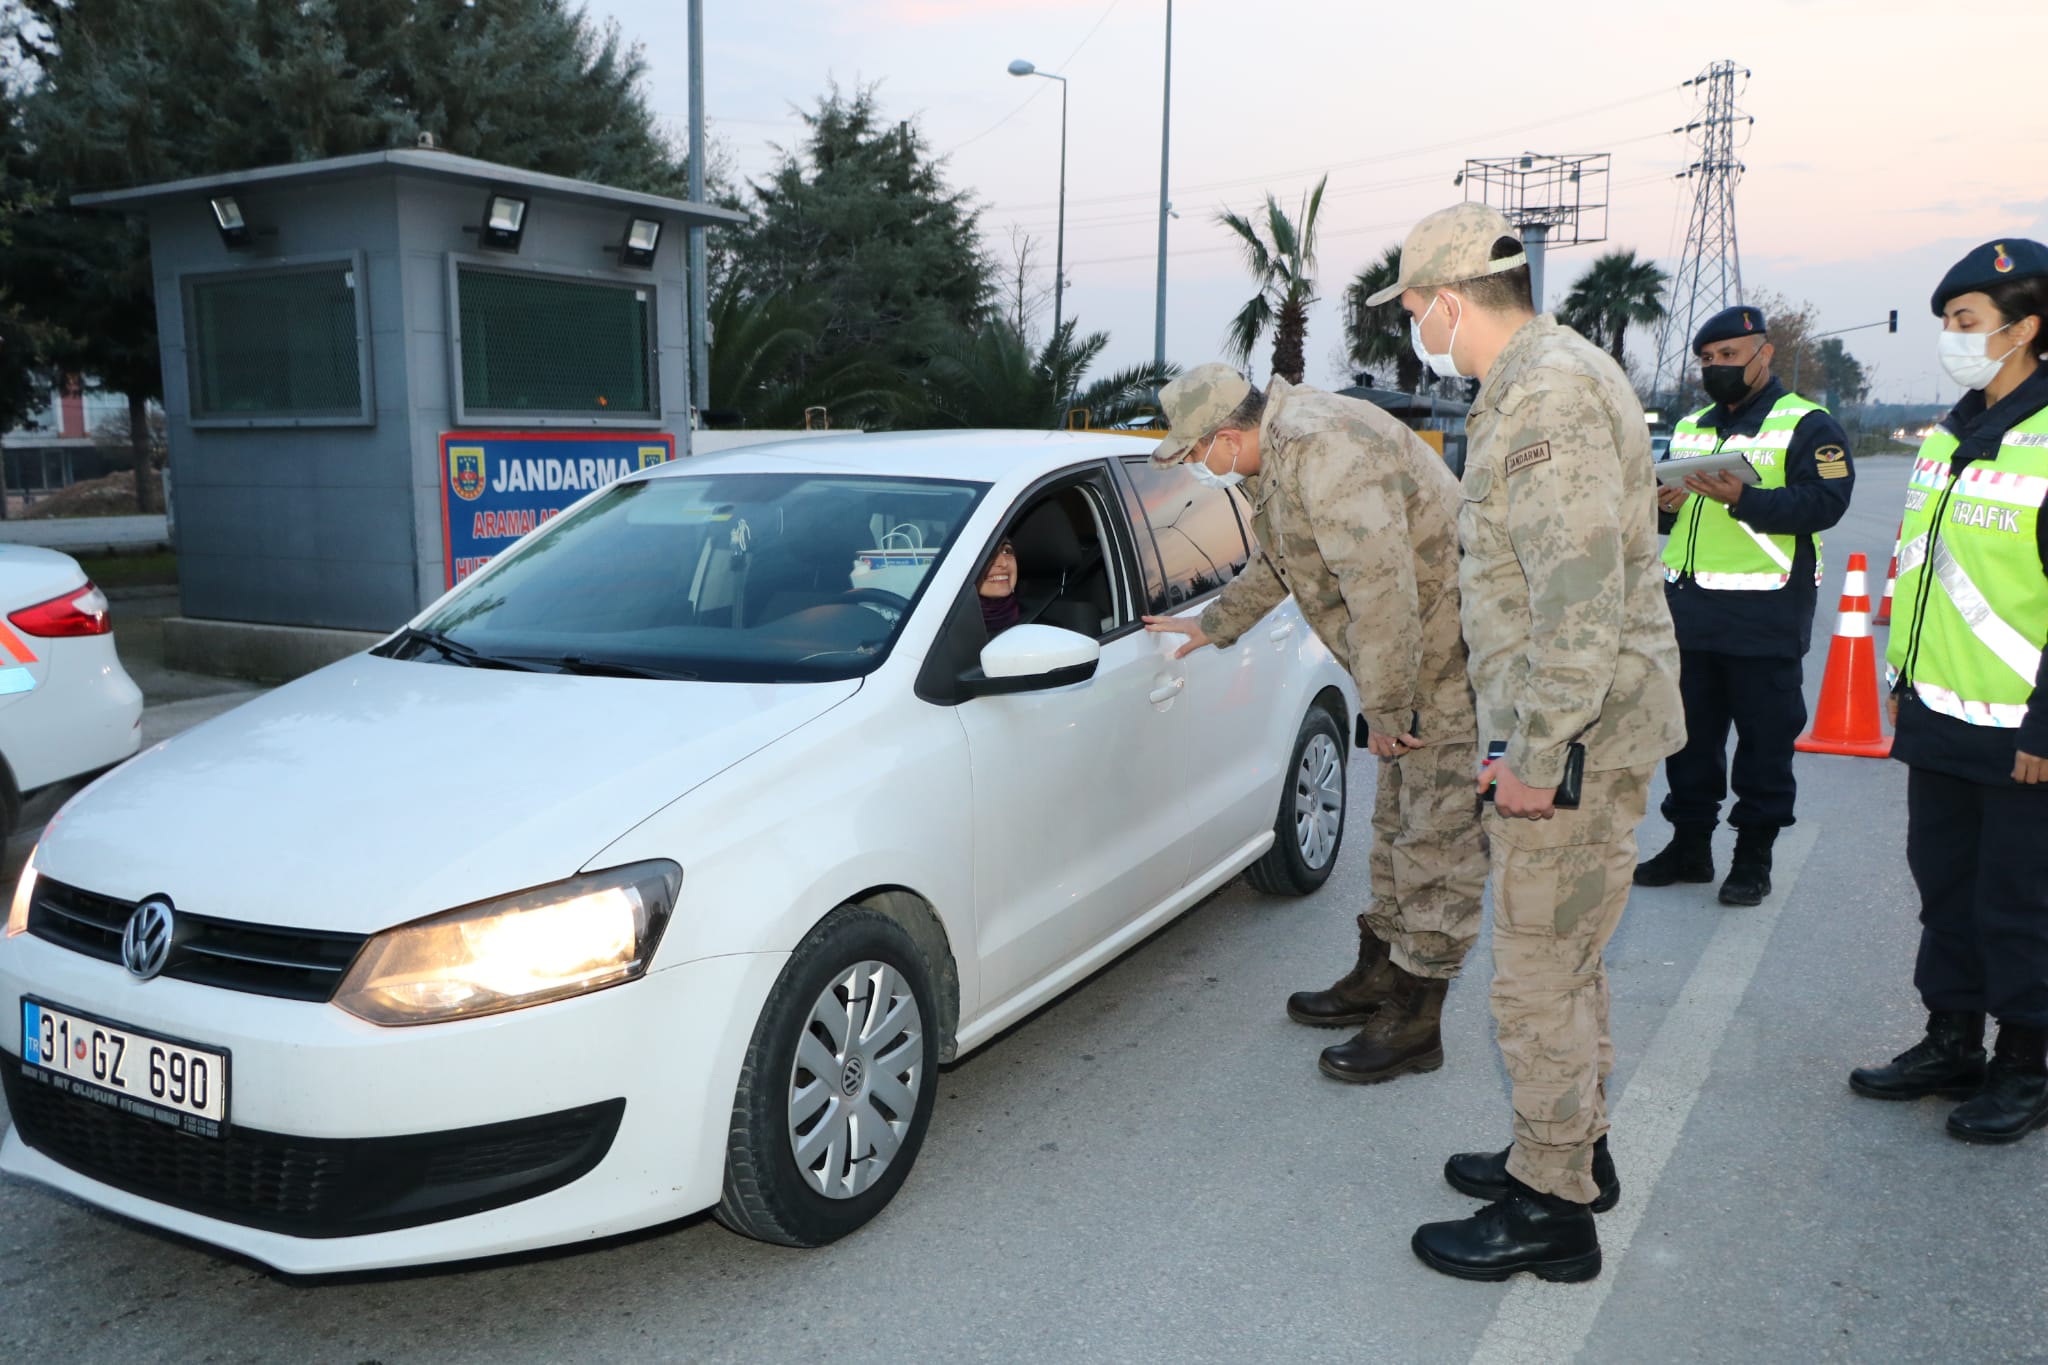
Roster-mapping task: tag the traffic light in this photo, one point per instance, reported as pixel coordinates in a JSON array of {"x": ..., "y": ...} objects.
[{"x": 1894, "y": 325}]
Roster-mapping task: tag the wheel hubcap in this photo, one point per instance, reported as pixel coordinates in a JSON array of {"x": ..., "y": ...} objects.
[
  {"x": 853, "y": 1087},
  {"x": 1319, "y": 801}
]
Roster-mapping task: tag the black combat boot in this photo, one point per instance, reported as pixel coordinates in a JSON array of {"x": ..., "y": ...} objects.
[
  {"x": 1948, "y": 1061},
  {"x": 1749, "y": 875},
  {"x": 1356, "y": 995},
  {"x": 1689, "y": 857},
  {"x": 1484, "y": 1175},
  {"x": 1403, "y": 1035},
  {"x": 1552, "y": 1237},
  {"x": 2014, "y": 1100}
]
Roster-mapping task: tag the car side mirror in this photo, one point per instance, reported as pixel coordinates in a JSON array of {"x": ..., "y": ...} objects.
[{"x": 1032, "y": 659}]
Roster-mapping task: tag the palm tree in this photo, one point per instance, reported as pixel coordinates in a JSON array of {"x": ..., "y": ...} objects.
[
  {"x": 1281, "y": 255},
  {"x": 1378, "y": 337},
  {"x": 762, "y": 366},
  {"x": 1616, "y": 290},
  {"x": 992, "y": 378}
]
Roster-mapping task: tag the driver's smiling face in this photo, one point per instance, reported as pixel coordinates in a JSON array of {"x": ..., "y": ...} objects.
[{"x": 999, "y": 579}]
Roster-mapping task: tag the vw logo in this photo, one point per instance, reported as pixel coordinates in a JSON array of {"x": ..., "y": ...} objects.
[
  {"x": 146, "y": 942},
  {"x": 852, "y": 1075}
]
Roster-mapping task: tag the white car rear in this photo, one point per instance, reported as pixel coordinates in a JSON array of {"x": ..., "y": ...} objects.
[{"x": 67, "y": 707}]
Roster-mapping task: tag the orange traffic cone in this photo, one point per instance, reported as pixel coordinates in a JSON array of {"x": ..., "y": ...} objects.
[
  {"x": 1847, "y": 723},
  {"x": 1891, "y": 580}
]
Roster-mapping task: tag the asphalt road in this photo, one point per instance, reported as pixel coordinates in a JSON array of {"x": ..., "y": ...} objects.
[{"x": 1151, "y": 1169}]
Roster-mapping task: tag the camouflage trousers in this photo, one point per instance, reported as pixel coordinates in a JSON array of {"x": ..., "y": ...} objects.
[
  {"x": 1428, "y": 860},
  {"x": 1559, "y": 887}
]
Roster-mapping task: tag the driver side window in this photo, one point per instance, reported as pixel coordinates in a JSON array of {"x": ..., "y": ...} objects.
[{"x": 1069, "y": 568}]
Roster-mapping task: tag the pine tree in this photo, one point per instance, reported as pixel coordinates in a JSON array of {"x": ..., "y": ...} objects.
[{"x": 863, "y": 212}]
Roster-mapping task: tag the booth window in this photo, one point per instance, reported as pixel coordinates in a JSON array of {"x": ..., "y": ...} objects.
[
  {"x": 272, "y": 346},
  {"x": 547, "y": 345}
]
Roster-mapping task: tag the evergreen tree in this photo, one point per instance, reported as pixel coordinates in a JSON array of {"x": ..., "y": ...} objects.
[{"x": 863, "y": 213}]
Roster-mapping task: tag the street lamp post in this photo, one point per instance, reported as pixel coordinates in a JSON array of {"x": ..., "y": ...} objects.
[
  {"x": 1020, "y": 67},
  {"x": 1165, "y": 131}
]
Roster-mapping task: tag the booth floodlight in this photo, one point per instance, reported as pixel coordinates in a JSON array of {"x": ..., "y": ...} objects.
[
  {"x": 504, "y": 222},
  {"x": 642, "y": 236},
  {"x": 227, "y": 216}
]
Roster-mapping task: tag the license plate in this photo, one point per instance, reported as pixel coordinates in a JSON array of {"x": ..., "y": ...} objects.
[{"x": 136, "y": 1072}]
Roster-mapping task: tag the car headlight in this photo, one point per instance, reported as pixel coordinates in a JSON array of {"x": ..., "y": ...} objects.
[
  {"x": 24, "y": 895},
  {"x": 546, "y": 944}
]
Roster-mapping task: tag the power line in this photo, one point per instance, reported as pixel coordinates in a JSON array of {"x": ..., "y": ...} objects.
[{"x": 1040, "y": 90}]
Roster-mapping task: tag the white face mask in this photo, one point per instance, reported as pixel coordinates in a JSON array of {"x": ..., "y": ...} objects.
[
  {"x": 1963, "y": 355},
  {"x": 1208, "y": 477},
  {"x": 1444, "y": 366}
]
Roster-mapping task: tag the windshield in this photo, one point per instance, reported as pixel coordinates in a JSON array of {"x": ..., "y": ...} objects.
[{"x": 726, "y": 577}]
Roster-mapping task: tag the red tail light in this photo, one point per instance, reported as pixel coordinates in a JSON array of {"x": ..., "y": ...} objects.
[{"x": 82, "y": 611}]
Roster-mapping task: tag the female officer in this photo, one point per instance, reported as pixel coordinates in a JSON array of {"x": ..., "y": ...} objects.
[{"x": 1970, "y": 706}]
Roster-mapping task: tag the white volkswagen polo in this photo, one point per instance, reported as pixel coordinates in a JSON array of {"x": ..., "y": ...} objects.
[{"x": 660, "y": 865}]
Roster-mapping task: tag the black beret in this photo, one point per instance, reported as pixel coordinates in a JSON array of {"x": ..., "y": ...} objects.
[
  {"x": 2015, "y": 258},
  {"x": 1729, "y": 323}
]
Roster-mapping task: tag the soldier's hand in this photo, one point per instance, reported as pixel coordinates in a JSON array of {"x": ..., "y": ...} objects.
[
  {"x": 1176, "y": 625},
  {"x": 1515, "y": 798},
  {"x": 1891, "y": 710},
  {"x": 1722, "y": 488},
  {"x": 2029, "y": 769},
  {"x": 1391, "y": 746}
]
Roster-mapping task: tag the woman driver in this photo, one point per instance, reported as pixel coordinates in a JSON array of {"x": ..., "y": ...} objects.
[{"x": 998, "y": 586}]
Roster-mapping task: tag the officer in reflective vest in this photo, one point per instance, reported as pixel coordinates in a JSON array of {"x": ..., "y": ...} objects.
[
  {"x": 1970, "y": 706},
  {"x": 1741, "y": 575}
]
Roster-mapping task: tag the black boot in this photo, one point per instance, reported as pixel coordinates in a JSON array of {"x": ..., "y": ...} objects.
[
  {"x": 1749, "y": 875},
  {"x": 1403, "y": 1035},
  {"x": 1356, "y": 995},
  {"x": 1555, "y": 1238},
  {"x": 1948, "y": 1061},
  {"x": 2014, "y": 1100},
  {"x": 1484, "y": 1175},
  {"x": 1689, "y": 857}
]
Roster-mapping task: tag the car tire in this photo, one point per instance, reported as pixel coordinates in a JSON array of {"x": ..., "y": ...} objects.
[
  {"x": 1309, "y": 831},
  {"x": 793, "y": 1177}
]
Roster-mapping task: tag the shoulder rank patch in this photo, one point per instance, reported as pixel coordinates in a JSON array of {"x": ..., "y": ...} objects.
[
  {"x": 1831, "y": 462},
  {"x": 1519, "y": 460}
]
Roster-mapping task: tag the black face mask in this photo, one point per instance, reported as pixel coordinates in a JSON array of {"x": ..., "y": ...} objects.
[{"x": 1725, "y": 384}]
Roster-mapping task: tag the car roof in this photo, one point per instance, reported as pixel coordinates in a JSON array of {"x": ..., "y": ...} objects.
[{"x": 994, "y": 457}]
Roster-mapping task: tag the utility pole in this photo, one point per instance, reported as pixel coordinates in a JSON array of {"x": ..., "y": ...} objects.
[
  {"x": 1165, "y": 140},
  {"x": 700, "y": 307},
  {"x": 1709, "y": 275},
  {"x": 1550, "y": 200}
]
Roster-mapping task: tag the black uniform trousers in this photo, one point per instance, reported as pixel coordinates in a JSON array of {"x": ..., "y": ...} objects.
[
  {"x": 1763, "y": 699},
  {"x": 1979, "y": 856}
]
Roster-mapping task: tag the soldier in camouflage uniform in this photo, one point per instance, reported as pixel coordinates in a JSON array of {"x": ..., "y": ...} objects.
[
  {"x": 1571, "y": 646},
  {"x": 1358, "y": 519}
]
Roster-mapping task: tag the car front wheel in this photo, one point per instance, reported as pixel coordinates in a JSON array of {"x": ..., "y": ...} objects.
[
  {"x": 837, "y": 1087},
  {"x": 1310, "y": 827}
]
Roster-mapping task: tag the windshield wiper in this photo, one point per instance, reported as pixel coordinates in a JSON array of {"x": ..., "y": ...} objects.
[
  {"x": 459, "y": 652},
  {"x": 613, "y": 668}
]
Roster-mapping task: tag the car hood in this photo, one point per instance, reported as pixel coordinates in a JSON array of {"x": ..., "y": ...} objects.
[{"x": 377, "y": 791}]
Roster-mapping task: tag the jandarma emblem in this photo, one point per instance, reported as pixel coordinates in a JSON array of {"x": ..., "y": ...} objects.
[{"x": 146, "y": 942}]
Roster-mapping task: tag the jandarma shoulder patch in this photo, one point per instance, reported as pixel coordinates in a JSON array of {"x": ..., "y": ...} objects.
[
  {"x": 1519, "y": 460},
  {"x": 1831, "y": 462}
]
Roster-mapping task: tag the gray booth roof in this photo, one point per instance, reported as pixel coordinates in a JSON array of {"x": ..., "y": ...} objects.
[{"x": 445, "y": 165}]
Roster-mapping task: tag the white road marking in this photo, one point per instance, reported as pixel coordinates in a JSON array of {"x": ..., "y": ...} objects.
[{"x": 1539, "y": 1323}]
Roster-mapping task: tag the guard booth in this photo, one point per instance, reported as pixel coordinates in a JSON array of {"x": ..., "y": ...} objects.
[{"x": 381, "y": 369}]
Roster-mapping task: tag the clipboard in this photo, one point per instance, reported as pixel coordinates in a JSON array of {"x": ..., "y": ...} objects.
[{"x": 1673, "y": 473}]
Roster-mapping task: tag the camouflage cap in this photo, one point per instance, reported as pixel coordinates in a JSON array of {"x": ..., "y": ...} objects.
[
  {"x": 1195, "y": 405},
  {"x": 1449, "y": 247}
]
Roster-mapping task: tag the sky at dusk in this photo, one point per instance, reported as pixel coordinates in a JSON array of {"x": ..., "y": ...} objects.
[{"x": 1890, "y": 136}]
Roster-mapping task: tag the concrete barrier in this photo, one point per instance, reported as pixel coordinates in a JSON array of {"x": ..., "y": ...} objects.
[{"x": 241, "y": 649}]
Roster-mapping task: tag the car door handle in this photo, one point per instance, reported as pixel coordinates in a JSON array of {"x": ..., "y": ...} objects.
[
  {"x": 1166, "y": 692},
  {"x": 1280, "y": 632}
]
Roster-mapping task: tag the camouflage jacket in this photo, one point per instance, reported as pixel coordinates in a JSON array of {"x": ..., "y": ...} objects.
[
  {"x": 1358, "y": 519},
  {"x": 1563, "y": 596}
]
